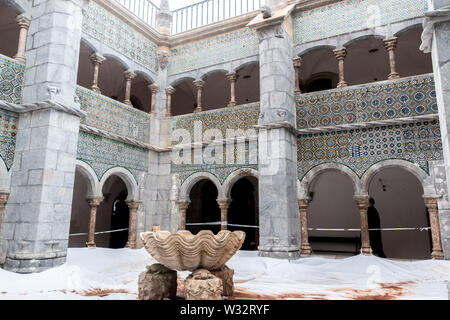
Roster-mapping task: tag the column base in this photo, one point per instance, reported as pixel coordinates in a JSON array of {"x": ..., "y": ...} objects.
[
  {"x": 366, "y": 251},
  {"x": 342, "y": 84},
  {"x": 130, "y": 245},
  {"x": 32, "y": 265},
  {"x": 20, "y": 58},
  {"x": 306, "y": 250},
  {"x": 437, "y": 255},
  {"x": 91, "y": 245},
  {"x": 393, "y": 76},
  {"x": 290, "y": 255}
]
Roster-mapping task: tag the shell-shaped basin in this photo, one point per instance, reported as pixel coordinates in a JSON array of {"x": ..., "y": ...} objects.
[{"x": 183, "y": 251}]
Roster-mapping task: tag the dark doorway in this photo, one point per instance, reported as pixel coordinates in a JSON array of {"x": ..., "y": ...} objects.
[
  {"x": 319, "y": 85},
  {"x": 203, "y": 207},
  {"x": 119, "y": 220},
  {"x": 243, "y": 210}
]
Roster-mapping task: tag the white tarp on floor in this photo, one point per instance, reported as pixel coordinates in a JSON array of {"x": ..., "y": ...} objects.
[{"x": 112, "y": 274}]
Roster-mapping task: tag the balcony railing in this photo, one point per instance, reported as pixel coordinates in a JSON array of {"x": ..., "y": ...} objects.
[
  {"x": 193, "y": 16},
  {"x": 210, "y": 11},
  {"x": 144, "y": 9}
]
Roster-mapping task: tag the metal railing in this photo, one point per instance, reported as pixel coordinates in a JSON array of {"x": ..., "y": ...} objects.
[
  {"x": 210, "y": 11},
  {"x": 144, "y": 9}
]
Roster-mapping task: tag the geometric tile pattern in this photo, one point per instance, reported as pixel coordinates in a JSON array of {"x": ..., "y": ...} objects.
[
  {"x": 359, "y": 149},
  {"x": 240, "y": 117},
  {"x": 8, "y": 132},
  {"x": 392, "y": 99},
  {"x": 11, "y": 80},
  {"x": 113, "y": 116},
  {"x": 110, "y": 30},
  {"x": 226, "y": 47},
  {"x": 352, "y": 15},
  {"x": 103, "y": 154}
]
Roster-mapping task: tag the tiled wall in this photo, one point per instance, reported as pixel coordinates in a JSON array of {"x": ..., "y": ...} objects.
[
  {"x": 103, "y": 154},
  {"x": 109, "y": 30},
  {"x": 8, "y": 131},
  {"x": 113, "y": 116},
  {"x": 385, "y": 100},
  {"x": 353, "y": 15},
  {"x": 11, "y": 80},
  {"x": 223, "y": 48}
]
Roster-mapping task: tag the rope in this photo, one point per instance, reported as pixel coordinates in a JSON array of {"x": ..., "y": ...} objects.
[
  {"x": 382, "y": 229},
  {"x": 103, "y": 232}
]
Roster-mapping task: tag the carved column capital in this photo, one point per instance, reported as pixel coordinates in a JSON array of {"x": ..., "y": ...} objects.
[
  {"x": 3, "y": 198},
  {"x": 170, "y": 90},
  {"x": 362, "y": 201},
  {"x": 340, "y": 54},
  {"x": 390, "y": 43},
  {"x": 129, "y": 75},
  {"x": 303, "y": 204},
  {"x": 95, "y": 201},
  {"x": 23, "y": 21},
  {"x": 183, "y": 205},
  {"x": 431, "y": 202},
  {"x": 298, "y": 62},
  {"x": 97, "y": 58},
  {"x": 232, "y": 76},
  {"x": 224, "y": 204},
  {"x": 153, "y": 88},
  {"x": 199, "y": 83},
  {"x": 133, "y": 204}
]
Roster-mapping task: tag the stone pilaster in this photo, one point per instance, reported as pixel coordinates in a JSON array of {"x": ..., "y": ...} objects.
[
  {"x": 37, "y": 219},
  {"x": 96, "y": 60},
  {"x": 432, "y": 205},
  {"x": 303, "y": 206},
  {"x": 133, "y": 205},
  {"x": 277, "y": 156},
  {"x": 169, "y": 92},
  {"x": 24, "y": 24},
  {"x": 363, "y": 204},
  {"x": 390, "y": 45},
  {"x": 436, "y": 39},
  {"x": 154, "y": 90},
  {"x": 340, "y": 56},
  {"x": 297, "y": 65},
  {"x": 224, "y": 205},
  {"x": 232, "y": 77},
  {"x": 182, "y": 208},
  {"x": 3, "y": 200},
  {"x": 199, "y": 85},
  {"x": 93, "y": 204},
  {"x": 129, "y": 76}
]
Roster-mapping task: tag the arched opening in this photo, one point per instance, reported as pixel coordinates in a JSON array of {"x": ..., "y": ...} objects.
[
  {"x": 398, "y": 201},
  {"x": 247, "y": 84},
  {"x": 203, "y": 207},
  {"x": 184, "y": 100},
  {"x": 111, "y": 79},
  {"x": 79, "y": 220},
  {"x": 319, "y": 70},
  {"x": 9, "y": 30},
  {"x": 243, "y": 210},
  {"x": 216, "y": 91},
  {"x": 367, "y": 61},
  {"x": 332, "y": 206},
  {"x": 85, "y": 67},
  {"x": 113, "y": 214},
  {"x": 140, "y": 93},
  {"x": 409, "y": 59}
]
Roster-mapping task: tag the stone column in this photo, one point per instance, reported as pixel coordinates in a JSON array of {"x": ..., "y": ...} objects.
[
  {"x": 133, "y": 205},
  {"x": 277, "y": 141},
  {"x": 432, "y": 205},
  {"x": 47, "y": 141},
  {"x": 224, "y": 205},
  {"x": 363, "y": 205},
  {"x": 436, "y": 39},
  {"x": 3, "y": 200},
  {"x": 232, "y": 77},
  {"x": 390, "y": 45},
  {"x": 93, "y": 204},
  {"x": 24, "y": 25},
  {"x": 340, "y": 56},
  {"x": 169, "y": 91},
  {"x": 96, "y": 60},
  {"x": 182, "y": 208},
  {"x": 297, "y": 66},
  {"x": 303, "y": 205},
  {"x": 129, "y": 76},
  {"x": 154, "y": 90},
  {"x": 199, "y": 85}
]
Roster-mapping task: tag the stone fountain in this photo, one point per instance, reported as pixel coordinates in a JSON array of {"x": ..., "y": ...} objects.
[{"x": 204, "y": 254}]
